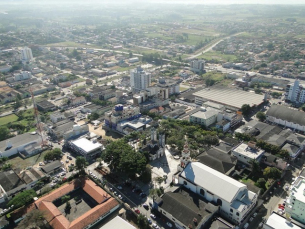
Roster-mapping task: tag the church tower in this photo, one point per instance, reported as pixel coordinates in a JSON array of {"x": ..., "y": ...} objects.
[{"x": 185, "y": 157}]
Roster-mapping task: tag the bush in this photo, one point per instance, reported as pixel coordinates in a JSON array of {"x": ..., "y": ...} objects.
[
  {"x": 54, "y": 154},
  {"x": 45, "y": 190},
  {"x": 22, "y": 198}
]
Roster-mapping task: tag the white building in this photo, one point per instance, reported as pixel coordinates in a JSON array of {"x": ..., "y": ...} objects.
[
  {"x": 121, "y": 113},
  {"x": 139, "y": 79},
  {"x": 57, "y": 116},
  {"x": 286, "y": 117},
  {"x": 26, "y": 55},
  {"x": 133, "y": 60},
  {"x": 295, "y": 92},
  {"x": 206, "y": 117},
  {"x": 197, "y": 66},
  {"x": 24, "y": 75},
  {"x": 87, "y": 148},
  {"x": 235, "y": 201},
  {"x": 247, "y": 152},
  {"x": 295, "y": 202},
  {"x": 276, "y": 221}
]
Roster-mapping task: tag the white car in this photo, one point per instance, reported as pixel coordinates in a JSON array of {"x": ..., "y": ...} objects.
[
  {"x": 152, "y": 216},
  {"x": 40, "y": 164},
  {"x": 169, "y": 224}
]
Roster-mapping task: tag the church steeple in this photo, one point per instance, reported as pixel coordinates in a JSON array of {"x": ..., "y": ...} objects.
[{"x": 185, "y": 156}]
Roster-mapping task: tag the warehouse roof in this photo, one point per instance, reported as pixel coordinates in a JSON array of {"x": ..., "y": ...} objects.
[
  {"x": 230, "y": 97},
  {"x": 288, "y": 114}
]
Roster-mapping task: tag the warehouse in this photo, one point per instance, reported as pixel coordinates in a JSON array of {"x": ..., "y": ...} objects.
[{"x": 230, "y": 98}]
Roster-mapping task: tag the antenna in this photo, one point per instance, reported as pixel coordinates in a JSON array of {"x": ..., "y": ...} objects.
[{"x": 36, "y": 114}]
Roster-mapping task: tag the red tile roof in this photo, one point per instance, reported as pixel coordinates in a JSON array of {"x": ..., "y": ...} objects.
[{"x": 58, "y": 221}]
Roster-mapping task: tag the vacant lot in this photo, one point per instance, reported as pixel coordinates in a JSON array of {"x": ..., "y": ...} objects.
[
  {"x": 217, "y": 56},
  {"x": 19, "y": 162},
  {"x": 7, "y": 119}
]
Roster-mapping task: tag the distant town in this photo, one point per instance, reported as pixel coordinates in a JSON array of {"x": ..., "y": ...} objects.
[{"x": 152, "y": 116}]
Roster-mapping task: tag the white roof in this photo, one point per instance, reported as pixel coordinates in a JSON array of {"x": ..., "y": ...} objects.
[
  {"x": 117, "y": 223},
  {"x": 244, "y": 150},
  {"x": 278, "y": 222},
  {"x": 86, "y": 145},
  {"x": 212, "y": 180}
]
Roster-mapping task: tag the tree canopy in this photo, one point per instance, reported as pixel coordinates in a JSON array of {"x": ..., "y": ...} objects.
[
  {"x": 246, "y": 109},
  {"x": 54, "y": 154},
  {"x": 261, "y": 116},
  {"x": 22, "y": 198},
  {"x": 272, "y": 173},
  {"x": 4, "y": 133},
  {"x": 80, "y": 163}
]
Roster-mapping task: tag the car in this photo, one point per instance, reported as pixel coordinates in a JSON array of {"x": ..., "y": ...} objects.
[
  {"x": 176, "y": 157},
  {"x": 149, "y": 220},
  {"x": 143, "y": 195},
  {"x": 120, "y": 187},
  {"x": 111, "y": 189},
  {"x": 155, "y": 226},
  {"x": 137, "y": 211},
  {"x": 169, "y": 224},
  {"x": 145, "y": 206},
  {"x": 67, "y": 161},
  {"x": 120, "y": 197},
  {"x": 251, "y": 219},
  {"x": 246, "y": 225},
  {"x": 40, "y": 164},
  {"x": 152, "y": 216},
  {"x": 62, "y": 162},
  {"x": 115, "y": 193},
  {"x": 254, "y": 215}
]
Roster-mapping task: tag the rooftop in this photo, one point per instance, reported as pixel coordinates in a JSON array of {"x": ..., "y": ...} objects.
[
  {"x": 45, "y": 104},
  {"x": 205, "y": 114},
  {"x": 10, "y": 180},
  {"x": 288, "y": 114},
  {"x": 51, "y": 166},
  {"x": 230, "y": 97},
  {"x": 86, "y": 145},
  {"x": 117, "y": 223},
  {"x": 249, "y": 152},
  {"x": 212, "y": 180},
  {"x": 18, "y": 140},
  {"x": 185, "y": 205},
  {"x": 277, "y": 221}
]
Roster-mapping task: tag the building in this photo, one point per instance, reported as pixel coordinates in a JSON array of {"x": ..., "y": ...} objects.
[
  {"x": 205, "y": 117},
  {"x": 295, "y": 92},
  {"x": 27, "y": 144},
  {"x": 26, "y": 55},
  {"x": 76, "y": 132},
  {"x": 274, "y": 161},
  {"x": 168, "y": 87},
  {"x": 286, "y": 117},
  {"x": 245, "y": 153},
  {"x": 89, "y": 149},
  {"x": 234, "y": 204},
  {"x": 117, "y": 223},
  {"x": 186, "y": 209},
  {"x": 102, "y": 205},
  {"x": 23, "y": 75},
  {"x": 197, "y": 66},
  {"x": 126, "y": 127},
  {"x": 45, "y": 106},
  {"x": 231, "y": 98},
  {"x": 59, "y": 129},
  {"x": 52, "y": 168},
  {"x": 276, "y": 221},
  {"x": 121, "y": 113},
  {"x": 77, "y": 101},
  {"x": 295, "y": 201},
  {"x": 133, "y": 60},
  {"x": 12, "y": 183},
  {"x": 57, "y": 117},
  {"x": 139, "y": 79},
  {"x": 218, "y": 160},
  {"x": 155, "y": 148}
]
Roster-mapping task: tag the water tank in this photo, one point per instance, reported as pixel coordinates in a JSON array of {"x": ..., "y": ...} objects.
[{"x": 203, "y": 109}]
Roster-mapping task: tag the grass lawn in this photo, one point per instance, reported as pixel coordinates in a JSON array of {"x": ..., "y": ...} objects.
[
  {"x": 217, "y": 76},
  {"x": 217, "y": 56},
  {"x": 19, "y": 162},
  {"x": 6, "y": 119},
  {"x": 194, "y": 39}
]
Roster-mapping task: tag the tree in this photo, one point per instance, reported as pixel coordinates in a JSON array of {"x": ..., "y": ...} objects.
[
  {"x": 22, "y": 198},
  {"x": 65, "y": 199},
  {"x": 93, "y": 116},
  {"x": 142, "y": 222},
  {"x": 34, "y": 219},
  {"x": 256, "y": 169},
  {"x": 261, "y": 116},
  {"x": 246, "y": 109},
  {"x": 17, "y": 103},
  {"x": 272, "y": 173},
  {"x": 4, "y": 133},
  {"x": 80, "y": 163},
  {"x": 155, "y": 192},
  {"x": 54, "y": 154},
  {"x": 261, "y": 182}
]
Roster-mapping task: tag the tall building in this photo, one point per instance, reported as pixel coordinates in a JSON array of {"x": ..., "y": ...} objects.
[
  {"x": 295, "y": 92},
  {"x": 139, "y": 79},
  {"x": 26, "y": 54},
  {"x": 197, "y": 66},
  {"x": 295, "y": 202}
]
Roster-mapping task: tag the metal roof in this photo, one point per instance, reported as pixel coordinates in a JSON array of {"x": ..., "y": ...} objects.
[{"x": 288, "y": 114}]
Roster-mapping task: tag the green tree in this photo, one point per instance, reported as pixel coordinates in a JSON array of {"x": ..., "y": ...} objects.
[
  {"x": 261, "y": 116},
  {"x": 154, "y": 193},
  {"x": 93, "y": 116},
  {"x": 4, "y": 133},
  {"x": 272, "y": 173},
  {"x": 246, "y": 109},
  {"x": 261, "y": 182},
  {"x": 54, "y": 154},
  {"x": 142, "y": 222},
  {"x": 256, "y": 169},
  {"x": 80, "y": 163},
  {"x": 18, "y": 103},
  {"x": 22, "y": 198}
]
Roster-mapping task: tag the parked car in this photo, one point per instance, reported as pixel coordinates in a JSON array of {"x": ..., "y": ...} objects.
[
  {"x": 152, "y": 216},
  {"x": 120, "y": 187},
  {"x": 169, "y": 224},
  {"x": 137, "y": 211}
]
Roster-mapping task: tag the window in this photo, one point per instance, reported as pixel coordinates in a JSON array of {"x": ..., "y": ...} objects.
[
  {"x": 202, "y": 192},
  {"x": 184, "y": 182},
  {"x": 231, "y": 210},
  {"x": 219, "y": 202},
  {"x": 237, "y": 213}
]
